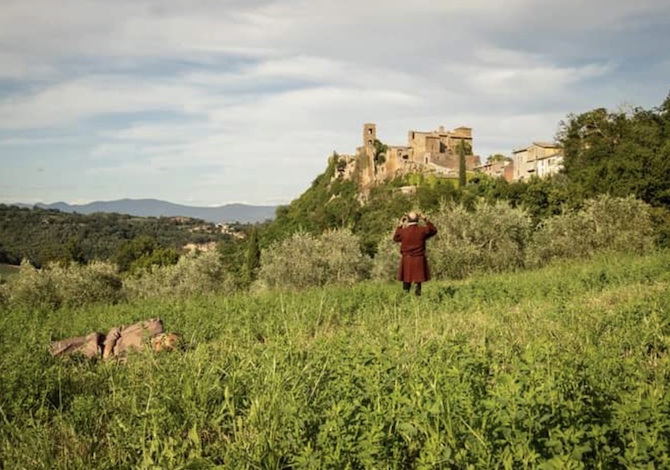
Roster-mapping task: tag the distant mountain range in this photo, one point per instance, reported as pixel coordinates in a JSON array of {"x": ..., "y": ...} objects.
[{"x": 242, "y": 213}]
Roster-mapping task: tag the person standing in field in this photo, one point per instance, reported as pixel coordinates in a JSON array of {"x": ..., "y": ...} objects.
[{"x": 412, "y": 237}]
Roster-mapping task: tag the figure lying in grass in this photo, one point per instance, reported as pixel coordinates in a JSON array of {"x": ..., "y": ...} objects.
[{"x": 119, "y": 341}]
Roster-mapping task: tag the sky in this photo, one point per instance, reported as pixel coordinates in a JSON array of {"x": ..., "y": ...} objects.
[{"x": 205, "y": 102}]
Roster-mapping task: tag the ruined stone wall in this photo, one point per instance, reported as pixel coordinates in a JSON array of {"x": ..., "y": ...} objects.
[
  {"x": 446, "y": 160},
  {"x": 395, "y": 158},
  {"x": 439, "y": 141}
]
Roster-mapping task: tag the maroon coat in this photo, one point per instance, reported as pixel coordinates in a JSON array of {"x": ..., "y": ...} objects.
[{"x": 413, "y": 264}]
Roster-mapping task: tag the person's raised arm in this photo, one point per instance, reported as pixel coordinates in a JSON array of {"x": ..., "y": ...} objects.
[
  {"x": 397, "y": 235},
  {"x": 432, "y": 230}
]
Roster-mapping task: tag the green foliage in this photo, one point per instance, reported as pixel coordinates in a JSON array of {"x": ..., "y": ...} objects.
[
  {"x": 492, "y": 237},
  {"x": 462, "y": 152},
  {"x": 194, "y": 274},
  {"x": 464, "y": 147},
  {"x": 380, "y": 152},
  {"x": 305, "y": 260},
  {"x": 661, "y": 221},
  {"x": 233, "y": 258},
  {"x": 620, "y": 153},
  {"x": 540, "y": 197},
  {"x": 386, "y": 260},
  {"x": 44, "y": 236},
  {"x": 434, "y": 191},
  {"x": 96, "y": 282},
  {"x": 253, "y": 259},
  {"x": 604, "y": 224},
  {"x": 384, "y": 207},
  {"x": 33, "y": 289},
  {"x": 564, "y": 367},
  {"x": 546, "y": 197},
  {"x": 66, "y": 285},
  {"x": 4, "y": 292},
  {"x": 142, "y": 253}
]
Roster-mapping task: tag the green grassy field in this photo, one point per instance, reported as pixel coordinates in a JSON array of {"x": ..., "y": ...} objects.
[{"x": 564, "y": 367}]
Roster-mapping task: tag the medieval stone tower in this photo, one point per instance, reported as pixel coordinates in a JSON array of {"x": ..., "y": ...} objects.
[
  {"x": 369, "y": 135},
  {"x": 367, "y": 151}
]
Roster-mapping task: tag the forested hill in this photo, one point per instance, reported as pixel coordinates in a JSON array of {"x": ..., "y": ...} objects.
[{"x": 42, "y": 235}]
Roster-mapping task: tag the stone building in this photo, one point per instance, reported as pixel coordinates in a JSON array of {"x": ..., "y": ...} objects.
[
  {"x": 498, "y": 169},
  {"x": 540, "y": 159},
  {"x": 433, "y": 151}
]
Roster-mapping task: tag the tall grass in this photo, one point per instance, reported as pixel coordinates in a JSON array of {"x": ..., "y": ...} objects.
[{"x": 563, "y": 367}]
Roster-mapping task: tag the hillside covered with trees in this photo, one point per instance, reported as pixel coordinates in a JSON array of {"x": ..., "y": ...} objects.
[{"x": 45, "y": 235}]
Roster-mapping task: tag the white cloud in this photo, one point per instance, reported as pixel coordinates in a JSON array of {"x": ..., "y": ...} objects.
[
  {"x": 533, "y": 81},
  {"x": 64, "y": 103}
]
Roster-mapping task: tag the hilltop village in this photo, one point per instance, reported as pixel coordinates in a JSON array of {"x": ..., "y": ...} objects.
[{"x": 438, "y": 152}]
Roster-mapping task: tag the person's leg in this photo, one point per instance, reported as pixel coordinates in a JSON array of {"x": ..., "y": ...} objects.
[
  {"x": 67, "y": 346},
  {"x": 110, "y": 342},
  {"x": 417, "y": 291},
  {"x": 406, "y": 286}
]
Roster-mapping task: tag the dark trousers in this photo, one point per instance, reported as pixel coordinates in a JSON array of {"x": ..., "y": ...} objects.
[{"x": 407, "y": 285}]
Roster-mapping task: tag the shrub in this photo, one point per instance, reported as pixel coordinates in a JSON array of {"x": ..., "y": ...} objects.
[
  {"x": 304, "y": 260},
  {"x": 33, "y": 288},
  {"x": 70, "y": 285},
  {"x": 604, "y": 224},
  {"x": 385, "y": 262},
  {"x": 660, "y": 217},
  {"x": 492, "y": 237},
  {"x": 4, "y": 292},
  {"x": 96, "y": 282},
  {"x": 195, "y": 273}
]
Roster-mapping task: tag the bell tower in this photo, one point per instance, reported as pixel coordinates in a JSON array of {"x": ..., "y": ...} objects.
[{"x": 369, "y": 135}]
